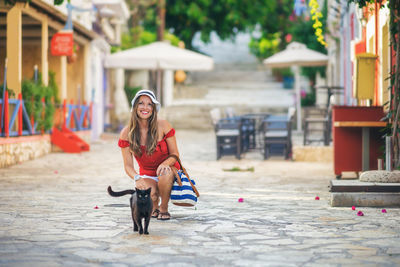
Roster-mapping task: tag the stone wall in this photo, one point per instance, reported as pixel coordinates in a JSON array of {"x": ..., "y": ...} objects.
[
  {"x": 14, "y": 150},
  {"x": 313, "y": 153}
]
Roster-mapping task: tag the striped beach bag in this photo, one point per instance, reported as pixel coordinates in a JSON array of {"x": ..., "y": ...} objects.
[{"x": 184, "y": 191}]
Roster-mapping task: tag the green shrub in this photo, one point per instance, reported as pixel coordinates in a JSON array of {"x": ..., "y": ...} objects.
[
  {"x": 309, "y": 99},
  {"x": 131, "y": 92},
  {"x": 10, "y": 92},
  {"x": 32, "y": 94}
]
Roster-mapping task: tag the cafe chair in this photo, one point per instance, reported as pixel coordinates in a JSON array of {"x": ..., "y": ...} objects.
[
  {"x": 215, "y": 115},
  {"x": 230, "y": 112},
  {"x": 248, "y": 133},
  {"x": 316, "y": 125},
  {"x": 277, "y": 136},
  {"x": 228, "y": 135}
]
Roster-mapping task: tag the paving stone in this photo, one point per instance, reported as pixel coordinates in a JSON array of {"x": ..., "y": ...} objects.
[
  {"x": 94, "y": 233},
  {"x": 98, "y": 255},
  {"x": 50, "y": 219},
  {"x": 78, "y": 244}
]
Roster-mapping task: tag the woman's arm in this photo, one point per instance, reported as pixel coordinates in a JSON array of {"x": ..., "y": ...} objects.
[
  {"x": 172, "y": 147},
  {"x": 127, "y": 155}
]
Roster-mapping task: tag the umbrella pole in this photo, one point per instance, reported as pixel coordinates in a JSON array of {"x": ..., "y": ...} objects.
[
  {"x": 158, "y": 93},
  {"x": 298, "y": 100}
]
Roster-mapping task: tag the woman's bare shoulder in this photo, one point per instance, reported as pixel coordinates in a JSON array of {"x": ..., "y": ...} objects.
[
  {"x": 124, "y": 133},
  {"x": 164, "y": 125}
]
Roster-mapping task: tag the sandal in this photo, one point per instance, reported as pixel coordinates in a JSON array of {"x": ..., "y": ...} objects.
[
  {"x": 163, "y": 216},
  {"x": 155, "y": 213}
]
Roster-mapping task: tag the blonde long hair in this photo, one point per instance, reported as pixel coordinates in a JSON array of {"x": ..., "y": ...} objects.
[{"x": 134, "y": 131}]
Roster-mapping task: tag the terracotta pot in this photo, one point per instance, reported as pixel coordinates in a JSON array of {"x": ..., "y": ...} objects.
[{"x": 73, "y": 58}]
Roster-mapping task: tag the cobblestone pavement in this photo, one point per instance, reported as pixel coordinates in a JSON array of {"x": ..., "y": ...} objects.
[{"x": 48, "y": 215}]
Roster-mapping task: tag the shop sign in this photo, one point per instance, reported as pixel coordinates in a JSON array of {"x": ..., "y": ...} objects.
[{"x": 62, "y": 44}]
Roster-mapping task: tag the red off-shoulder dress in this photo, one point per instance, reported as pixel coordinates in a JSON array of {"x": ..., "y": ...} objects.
[{"x": 148, "y": 164}]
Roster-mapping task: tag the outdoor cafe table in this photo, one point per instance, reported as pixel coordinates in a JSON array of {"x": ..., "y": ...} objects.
[{"x": 256, "y": 119}]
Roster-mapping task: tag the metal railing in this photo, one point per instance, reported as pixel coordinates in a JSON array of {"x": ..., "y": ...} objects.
[{"x": 15, "y": 121}]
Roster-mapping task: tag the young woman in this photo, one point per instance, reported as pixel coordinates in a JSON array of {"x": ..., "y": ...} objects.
[{"x": 150, "y": 141}]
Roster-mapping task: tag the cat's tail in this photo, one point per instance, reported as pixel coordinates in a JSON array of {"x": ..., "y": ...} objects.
[{"x": 120, "y": 193}]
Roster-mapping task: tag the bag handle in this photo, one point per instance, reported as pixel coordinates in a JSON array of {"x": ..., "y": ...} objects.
[
  {"x": 184, "y": 171},
  {"x": 178, "y": 178}
]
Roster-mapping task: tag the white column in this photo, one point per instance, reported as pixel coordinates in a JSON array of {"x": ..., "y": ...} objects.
[
  {"x": 89, "y": 86},
  {"x": 168, "y": 88},
  {"x": 121, "y": 106},
  {"x": 63, "y": 60},
  {"x": 298, "y": 100}
]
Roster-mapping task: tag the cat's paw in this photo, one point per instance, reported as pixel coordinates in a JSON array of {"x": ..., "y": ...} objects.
[
  {"x": 146, "y": 233},
  {"x": 135, "y": 229},
  {"x": 141, "y": 232}
]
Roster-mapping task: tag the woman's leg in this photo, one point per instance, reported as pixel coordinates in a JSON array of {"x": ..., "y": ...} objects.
[
  {"x": 164, "y": 188},
  {"x": 154, "y": 191}
]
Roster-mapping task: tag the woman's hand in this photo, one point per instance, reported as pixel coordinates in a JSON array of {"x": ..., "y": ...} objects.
[
  {"x": 140, "y": 184},
  {"x": 163, "y": 169}
]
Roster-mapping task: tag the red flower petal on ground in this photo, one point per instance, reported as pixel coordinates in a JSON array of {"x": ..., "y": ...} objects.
[
  {"x": 317, "y": 198},
  {"x": 55, "y": 172},
  {"x": 353, "y": 207},
  {"x": 96, "y": 208},
  {"x": 360, "y": 213},
  {"x": 383, "y": 210},
  {"x": 240, "y": 200}
]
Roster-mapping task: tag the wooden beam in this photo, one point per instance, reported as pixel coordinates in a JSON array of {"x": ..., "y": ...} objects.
[
  {"x": 52, "y": 23},
  {"x": 45, "y": 48},
  {"x": 14, "y": 47},
  {"x": 26, "y": 20},
  {"x": 25, "y": 33},
  {"x": 359, "y": 124}
]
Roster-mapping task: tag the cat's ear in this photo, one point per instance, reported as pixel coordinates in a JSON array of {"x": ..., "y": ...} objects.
[
  {"x": 148, "y": 190},
  {"x": 136, "y": 189}
]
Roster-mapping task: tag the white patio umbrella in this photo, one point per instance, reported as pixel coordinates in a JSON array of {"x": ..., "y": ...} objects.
[
  {"x": 159, "y": 56},
  {"x": 296, "y": 55}
]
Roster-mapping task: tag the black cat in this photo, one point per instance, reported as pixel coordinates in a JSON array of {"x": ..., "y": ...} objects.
[{"x": 141, "y": 207}]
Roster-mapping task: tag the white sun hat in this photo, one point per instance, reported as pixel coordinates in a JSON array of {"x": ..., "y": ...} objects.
[{"x": 149, "y": 94}]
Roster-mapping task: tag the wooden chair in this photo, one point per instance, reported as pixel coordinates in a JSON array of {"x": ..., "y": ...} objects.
[
  {"x": 277, "y": 136},
  {"x": 228, "y": 134}
]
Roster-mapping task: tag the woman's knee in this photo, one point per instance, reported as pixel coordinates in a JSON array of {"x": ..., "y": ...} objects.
[{"x": 166, "y": 179}]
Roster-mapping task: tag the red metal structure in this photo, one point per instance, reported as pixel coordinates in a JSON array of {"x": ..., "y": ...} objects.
[
  {"x": 357, "y": 140},
  {"x": 78, "y": 116}
]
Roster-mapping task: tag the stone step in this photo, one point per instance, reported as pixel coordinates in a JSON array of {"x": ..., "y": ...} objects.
[
  {"x": 198, "y": 116},
  {"x": 264, "y": 98},
  {"x": 240, "y": 73},
  {"x": 365, "y": 199},
  {"x": 359, "y": 186}
]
